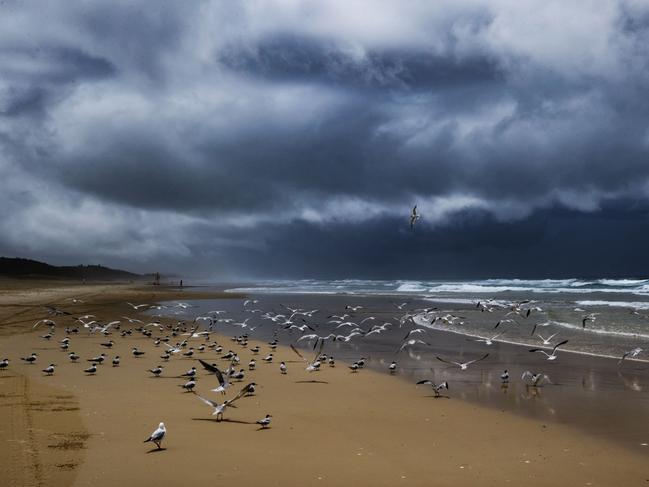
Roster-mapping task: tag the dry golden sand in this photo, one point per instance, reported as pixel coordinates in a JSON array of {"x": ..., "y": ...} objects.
[{"x": 329, "y": 428}]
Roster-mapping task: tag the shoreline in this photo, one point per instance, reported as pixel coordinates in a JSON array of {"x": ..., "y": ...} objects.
[{"x": 365, "y": 428}]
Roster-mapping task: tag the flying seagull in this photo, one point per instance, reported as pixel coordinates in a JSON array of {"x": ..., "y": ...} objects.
[
  {"x": 465, "y": 365},
  {"x": 534, "y": 380},
  {"x": 414, "y": 216},
  {"x": 630, "y": 354},
  {"x": 219, "y": 409},
  {"x": 553, "y": 355},
  {"x": 222, "y": 378}
]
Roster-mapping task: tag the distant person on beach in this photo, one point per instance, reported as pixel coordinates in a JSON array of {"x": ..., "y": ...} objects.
[{"x": 181, "y": 283}]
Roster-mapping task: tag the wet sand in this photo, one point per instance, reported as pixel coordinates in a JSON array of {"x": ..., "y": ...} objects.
[{"x": 332, "y": 427}]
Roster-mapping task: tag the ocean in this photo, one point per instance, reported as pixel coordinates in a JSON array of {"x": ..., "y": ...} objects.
[{"x": 620, "y": 307}]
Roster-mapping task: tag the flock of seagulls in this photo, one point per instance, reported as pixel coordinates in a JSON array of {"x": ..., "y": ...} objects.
[{"x": 298, "y": 326}]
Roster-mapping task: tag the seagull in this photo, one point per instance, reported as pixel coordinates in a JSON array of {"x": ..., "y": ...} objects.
[
  {"x": 504, "y": 377},
  {"x": 157, "y": 436},
  {"x": 49, "y": 370},
  {"x": 353, "y": 308},
  {"x": 189, "y": 385},
  {"x": 269, "y": 358},
  {"x": 487, "y": 341},
  {"x": 282, "y": 367},
  {"x": 73, "y": 357},
  {"x": 222, "y": 378},
  {"x": 630, "y": 354},
  {"x": 157, "y": 371},
  {"x": 137, "y": 353},
  {"x": 354, "y": 367},
  {"x": 255, "y": 350},
  {"x": 546, "y": 341},
  {"x": 436, "y": 387},
  {"x": 392, "y": 367},
  {"x": 265, "y": 422},
  {"x": 249, "y": 389},
  {"x": 252, "y": 364},
  {"x": 92, "y": 370},
  {"x": 314, "y": 364},
  {"x": 463, "y": 366},
  {"x": 413, "y": 217},
  {"x": 108, "y": 344},
  {"x": 98, "y": 359},
  {"x": 190, "y": 373},
  {"x": 534, "y": 380},
  {"x": 137, "y": 306},
  {"x": 219, "y": 409},
  {"x": 238, "y": 375},
  {"x": 591, "y": 317},
  {"x": 44, "y": 322},
  {"x": 4, "y": 363},
  {"x": 132, "y": 320},
  {"x": 116, "y": 361},
  {"x": 411, "y": 342},
  {"x": 31, "y": 359},
  {"x": 553, "y": 355}
]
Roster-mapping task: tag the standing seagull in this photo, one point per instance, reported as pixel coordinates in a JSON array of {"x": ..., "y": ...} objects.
[
  {"x": 31, "y": 359},
  {"x": 49, "y": 370},
  {"x": 463, "y": 366},
  {"x": 4, "y": 363},
  {"x": 265, "y": 422},
  {"x": 553, "y": 355},
  {"x": 413, "y": 217},
  {"x": 157, "y": 436}
]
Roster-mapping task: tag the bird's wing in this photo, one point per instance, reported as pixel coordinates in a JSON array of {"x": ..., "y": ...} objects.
[
  {"x": 317, "y": 354},
  {"x": 558, "y": 345},
  {"x": 446, "y": 361},
  {"x": 298, "y": 353},
  {"x": 478, "y": 359},
  {"x": 215, "y": 370},
  {"x": 241, "y": 393},
  {"x": 207, "y": 401},
  {"x": 426, "y": 381}
]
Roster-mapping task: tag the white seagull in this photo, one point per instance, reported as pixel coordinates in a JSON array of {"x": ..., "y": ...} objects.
[
  {"x": 465, "y": 365},
  {"x": 553, "y": 355},
  {"x": 157, "y": 436}
]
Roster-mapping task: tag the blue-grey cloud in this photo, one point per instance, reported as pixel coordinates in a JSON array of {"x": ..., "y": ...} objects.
[{"x": 287, "y": 139}]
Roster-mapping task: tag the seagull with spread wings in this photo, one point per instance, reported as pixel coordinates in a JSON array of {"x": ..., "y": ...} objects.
[
  {"x": 553, "y": 355},
  {"x": 465, "y": 365},
  {"x": 220, "y": 376},
  {"x": 414, "y": 216},
  {"x": 219, "y": 409},
  {"x": 436, "y": 387}
]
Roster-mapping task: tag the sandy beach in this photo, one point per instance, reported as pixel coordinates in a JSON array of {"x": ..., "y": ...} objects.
[{"x": 331, "y": 427}]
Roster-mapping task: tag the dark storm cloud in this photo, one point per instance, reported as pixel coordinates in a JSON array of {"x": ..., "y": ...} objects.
[
  {"x": 290, "y": 58},
  {"x": 273, "y": 139}
]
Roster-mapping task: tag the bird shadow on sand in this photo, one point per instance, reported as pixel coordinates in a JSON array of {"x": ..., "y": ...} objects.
[
  {"x": 156, "y": 450},
  {"x": 311, "y": 382},
  {"x": 261, "y": 428},
  {"x": 441, "y": 396},
  {"x": 213, "y": 420}
]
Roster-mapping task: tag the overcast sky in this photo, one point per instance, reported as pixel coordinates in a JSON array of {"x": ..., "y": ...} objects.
[{"x": 291, "y": 139}]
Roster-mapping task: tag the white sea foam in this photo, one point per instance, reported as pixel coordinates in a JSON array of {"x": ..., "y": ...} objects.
[{"x": 615, "y": 304}]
